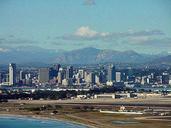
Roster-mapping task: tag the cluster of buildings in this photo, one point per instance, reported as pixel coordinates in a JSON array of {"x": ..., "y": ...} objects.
[
  {"x": 13, "y": 76},
  {"x": 64, "y": 76}
]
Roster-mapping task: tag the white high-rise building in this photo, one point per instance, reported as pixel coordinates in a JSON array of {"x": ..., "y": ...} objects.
[
  {"x": 170, "y": 80},
  {"x": 12, "y": 74},
  {"x": 118, "y": 76},
  {"x": 81, "y": 72},
  {"x": 60, "y": 77}
]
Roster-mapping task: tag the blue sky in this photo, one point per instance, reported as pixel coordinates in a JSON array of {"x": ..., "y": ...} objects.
[{"x": 140, "y": 25}]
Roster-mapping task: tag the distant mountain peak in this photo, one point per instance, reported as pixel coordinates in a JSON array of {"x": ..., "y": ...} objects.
[{"x": 88, "y": 55}]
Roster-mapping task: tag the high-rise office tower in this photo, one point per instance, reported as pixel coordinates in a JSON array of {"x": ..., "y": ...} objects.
[
  {"x": 165, "y": 78},
  {"x": 53, "y": 73},
  {"x": 118, "y": 76},
  {"x": 170, "y": 79},
  {"x": 69, "y": 72},
  {"x": 60, "y": 76},
  {"x": 81, "y": 73},
  {"x": 57, "y": 67},
  {"x": 22, "y": 75},
  {"x": 0, "y": 77},
  {"x": 43, "y": 75},
  {"x": 97, "y": 79},
  {"x": 111, "y": 73},
  {"x": 92, "y": 77},
  {"x": 102, "y": 77},
  {"x": 12, "y": 74}
]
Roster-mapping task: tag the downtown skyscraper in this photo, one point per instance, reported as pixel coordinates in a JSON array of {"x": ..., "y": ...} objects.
[
  {"x": 69, "y": 72},
  {"x": 111, "y": 73},
  {"x": 12, "y": 74},
  {"x": 43, "y": 75}
]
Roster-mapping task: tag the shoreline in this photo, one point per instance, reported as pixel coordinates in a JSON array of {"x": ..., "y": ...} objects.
[
  {"x": 48, "y": 118},
  {"x": 86, "y": 115}
]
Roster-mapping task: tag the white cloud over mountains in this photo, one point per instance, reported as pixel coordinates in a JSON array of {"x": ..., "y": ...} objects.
[
  {"x": 144, "y": 39},
  {"x": 86, "y": 36},
  {"x": 86, "y": 33}
]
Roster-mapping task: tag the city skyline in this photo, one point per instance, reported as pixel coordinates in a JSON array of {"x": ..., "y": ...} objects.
[
  {"x": 83, "y": 76},
  {"x": 142, "y": 26}
]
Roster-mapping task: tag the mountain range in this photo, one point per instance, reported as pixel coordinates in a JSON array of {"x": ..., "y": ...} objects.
[{"x": 87, "y": 55}]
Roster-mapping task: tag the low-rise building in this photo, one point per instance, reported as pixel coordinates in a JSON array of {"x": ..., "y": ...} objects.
[{"x": 105, "y": 96}]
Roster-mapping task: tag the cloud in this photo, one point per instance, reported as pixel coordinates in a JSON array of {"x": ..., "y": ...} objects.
[
  {"x": 149, "y": 43},
  {"x": 163, "y": 42},
  {"x": 15, "y": 41},
  {"x": 86, "y": 33},
  {"x": 145, "y": 39},
  {"x": 4, "y": 50},
  {"x": 150, "y": 40},
  {"x": 146, "y": 33},
  {"x": 139, "y": 39},
  {"x": 89, "y": 2}
]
